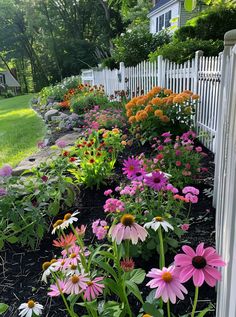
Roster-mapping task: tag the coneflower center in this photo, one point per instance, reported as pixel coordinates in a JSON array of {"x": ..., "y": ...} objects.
[
  {"x": 156, "y": 180},
  {"x": 167, "y": 277},
  {"x": 159, "y": 219},
  {"x": 31, "y": 304},
  {"x": 138, "y": 174},
  {"x": 89, "y": 283},
  {"x": 127, "y": 220},
  {"x": 67, "y": 216},
  {"x": 53, "y": 261},
  {"x": 73, "y": 255},
  {"x": 73, "y": 267},
  {"x": 46, "y": 265},
  {"x": 57, "y": 223},
  {"x": 75, "y": 279},
  {"x": 199, "y": 262},
  {"x": 131, "y": 168}
]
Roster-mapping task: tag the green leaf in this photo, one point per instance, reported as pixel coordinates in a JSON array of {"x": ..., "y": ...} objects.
[
  {"x": 152, "y": 310},
  {"x": 54, "y": 207},
  {"x": 106, "y": 268},
  {"x": 40, "y": 231},
  {"x": 1, "y": 244},
  {"x": 112, "y": 285},
  {"x": 133, "y": 288},
  {"x": 12, "y": 239},
  {"x": 190, "y": 5},
  {"x": 137, "y": 276},
  {"x": 3, "y": 308},
  {"x": 205, "y": 311}
]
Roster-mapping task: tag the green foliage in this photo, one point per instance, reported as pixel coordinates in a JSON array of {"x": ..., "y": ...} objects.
[
  {"x": 180, "y": 52},
  {"x": 82, "y": 103},
  {"x": 135, "y": 45},
  {"x": 3, "y": 308}
]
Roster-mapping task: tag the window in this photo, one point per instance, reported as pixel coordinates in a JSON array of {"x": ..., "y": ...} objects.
[
  {"x": 161, "y": 22},
  {"x": 1, "y": 79},
  {"x": 157, "y": 25},
  {"x": 167, "y": 19}
]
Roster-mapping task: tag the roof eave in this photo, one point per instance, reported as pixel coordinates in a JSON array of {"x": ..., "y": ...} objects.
[{"x": 150, "y": 14}]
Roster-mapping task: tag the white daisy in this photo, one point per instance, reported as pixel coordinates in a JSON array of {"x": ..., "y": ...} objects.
[
  {"x": 69, "y": 219},
  {"x": 49, "y": 267},
  {"x": 57, "y": 225},
  {"x": 157, "y": 222},
  {"x": 30, "y": 308}
]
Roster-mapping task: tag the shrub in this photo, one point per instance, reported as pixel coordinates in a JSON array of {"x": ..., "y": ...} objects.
[
  {"x": 180, "y": 52},
  {"x": 159, "y": 110},
  {"x": 83, "y": 103}
]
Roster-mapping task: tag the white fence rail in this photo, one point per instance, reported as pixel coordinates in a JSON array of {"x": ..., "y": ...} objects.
[{"x": 202, "y": 75}]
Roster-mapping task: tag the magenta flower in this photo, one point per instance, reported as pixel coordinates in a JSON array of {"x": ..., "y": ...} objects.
[
  {"x": 192, "y": 198},
  {"x": 6, "y": 171},
  {"x": 44, "y": 178},
  {"x": 185, "y": 226},
  {"x": 127, "y": 229},
  {"x": 198, "y": 149},
  {"x": 108, "y": 192},
  {"x": 190, "y": 189},
  {"x": 54, "y": 290},
  {"x": 166, "y": 134},
  {"x": 94, "y": 289},
  {"x": 167, "y": 283},
  {"x": 156, "y": 180},
  {"x": 3, "y": 192},
  {"x": 131, "y": 166},
  {"x": 200, "y": 264},
  {"x": 76, "y": 284},
  {"x": 100, "y": 228},
  {"x": 61, "y": 143},
  {"x": 113, "y": 205}
]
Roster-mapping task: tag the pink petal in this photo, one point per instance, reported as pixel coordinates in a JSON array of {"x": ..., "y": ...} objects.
[
  {"x": 215, "y": 260},
  {"x": 213, "y": 272},
  {"x": 119, "y": 235},
  {"x": 208, "y": 251},
  {"x": 186, "y": 273},
  {"x": 198, "y": 277},
  {"x": 200, "y": 249},
  {"x": 183, "y": 260},
  {"x": 188, "y": 250}
]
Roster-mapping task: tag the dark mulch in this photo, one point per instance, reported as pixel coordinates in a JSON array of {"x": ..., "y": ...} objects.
[{"x": 20, "y": 269}]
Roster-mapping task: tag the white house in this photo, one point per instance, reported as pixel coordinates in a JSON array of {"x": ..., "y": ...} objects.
[
  {"x": 8, "y": 81},
  {"x": 168, "y": 13}
]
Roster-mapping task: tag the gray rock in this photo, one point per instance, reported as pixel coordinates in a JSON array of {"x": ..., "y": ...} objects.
[
  {"x": 74, "y": 117},
  {"x": 51, "y": 113}
]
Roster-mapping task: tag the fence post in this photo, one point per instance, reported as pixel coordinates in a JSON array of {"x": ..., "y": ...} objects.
[
  {"x": 160, "y": 74},
  {"x": 196, "y": 67},
  {"x": 225, "y": 180},
  {"x": 122, "y": 76}
]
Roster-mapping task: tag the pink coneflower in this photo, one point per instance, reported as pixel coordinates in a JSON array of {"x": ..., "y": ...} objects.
[
  {"x": 167, "y": 283},
  {"x": 6, "y": 171},
  {"x": 127, "y": 229},
  {"x": 139, "y": 175},
  {"x": 93, "y": 289},
  {"x": 66, "y": 241},
  {"x": 200, "y": 264},
  {"x": 131, "y": 166},
  {"x": 76, "y": 284},
  {"x": 156, "y": 180},
  {"x": 54, "y": 290}
]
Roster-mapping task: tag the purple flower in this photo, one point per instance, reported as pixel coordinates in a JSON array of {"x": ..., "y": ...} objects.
[
  {"x": 192, "y": 198},
  {"x": 6, "y": 171},
  {"x": 171, "y": 188},
  {"x": 61, "y": 143},
  {"x": 108, "y": 192},
  {"x": 166, "y": 134},
  {"x": 3, "y": 192},
  {"x": 198, "y": 149},
  {"x": 41, "y": 144},
  {"x": 190, "y": 189},
  {"x": 131, "y": 167},
  {"x": 156, "y": 180}
]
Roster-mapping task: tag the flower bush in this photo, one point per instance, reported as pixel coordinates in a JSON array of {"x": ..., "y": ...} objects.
[{"x": 161, "y": 110}]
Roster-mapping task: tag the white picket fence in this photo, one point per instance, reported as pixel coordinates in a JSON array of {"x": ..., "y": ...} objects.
[{"x": 202, "y": 75}]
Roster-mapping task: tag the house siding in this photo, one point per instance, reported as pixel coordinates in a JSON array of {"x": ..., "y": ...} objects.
[
  {"x": 174, "y": 7},
  {"x": 185, "y": 15}
]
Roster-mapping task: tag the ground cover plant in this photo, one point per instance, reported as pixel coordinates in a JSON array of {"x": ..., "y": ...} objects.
[
  {"x": 20, "y": 129},
  {"x": 121, "y": 216}
]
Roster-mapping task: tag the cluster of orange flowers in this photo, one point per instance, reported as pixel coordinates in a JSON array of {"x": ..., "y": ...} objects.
[
  {"x": 83, "y": 88},
  {"x": 155, "y": 102}
]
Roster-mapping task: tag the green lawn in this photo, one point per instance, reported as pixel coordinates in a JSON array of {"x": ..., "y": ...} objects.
[{"x": 20, "y": 129}]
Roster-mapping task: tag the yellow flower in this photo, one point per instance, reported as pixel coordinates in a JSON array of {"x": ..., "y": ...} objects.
[{"x": 116, "y": 131}]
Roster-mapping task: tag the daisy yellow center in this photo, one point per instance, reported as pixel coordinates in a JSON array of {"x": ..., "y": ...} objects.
[
  {"x": 167, "y": 277},
  {"x": 89, "y": 283},
  {"x": 159, "y": 219},
  {"x": 199, "y": 262},
  {"x": 147, "y": 315},
  {"x": 75, "y": 279},
  {"x": 31, "y": 304},
  {"x": 57, "y": 223},
  {"x": 73, "y": 267},
  {"x": 53, "y": 261},
  {"x": 73, "y": 255},
  {"x": 127, "y": 220},
  {"x": 67, "y": 216},
  {"x": 46, "y": 265}
]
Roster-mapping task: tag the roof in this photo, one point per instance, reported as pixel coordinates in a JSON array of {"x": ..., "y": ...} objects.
[
  {"x": 10, "y": 79},
  {"x": 160, "y": 4}
]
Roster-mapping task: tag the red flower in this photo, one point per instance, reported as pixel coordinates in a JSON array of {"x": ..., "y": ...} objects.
[
  {"x": 72, "y": 159},
  {"x": 66, "y": 153}
]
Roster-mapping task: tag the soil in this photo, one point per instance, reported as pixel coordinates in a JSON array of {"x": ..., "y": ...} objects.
[{"x": 20, "y": 269}]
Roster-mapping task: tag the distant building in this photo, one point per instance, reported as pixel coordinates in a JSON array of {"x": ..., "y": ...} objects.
[
  {"x": 164, "y": 11},
  {"x": 8, "y": 82}
]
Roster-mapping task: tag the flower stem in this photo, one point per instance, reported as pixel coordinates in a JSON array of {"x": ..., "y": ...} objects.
[
  {"x": 189, "y": 209},
  {"x": 162, "y": 252},
  {"x": 168, "y": 309},
  {"x": 195, "y": 301},
  {"x": 127, "y": 248}
]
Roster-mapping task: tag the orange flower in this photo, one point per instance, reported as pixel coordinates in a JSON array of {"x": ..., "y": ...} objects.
[
  {"x": 195, "y": 97},
  {"x": 129, "y": 105},
  {"x": 189, "y": 92},
  {"x": 123, "y": 142},
  {"x": 132, "y": 119},
  {"x": 149, "y": 109},
  {"x": 156, "y": 90},
  {"x": 165, "y": 119},
  {"x": 129, "y": 113},
  {"x": 158, "y": 113},
  {"x": 141, "y": 115},
  {"x": 116, "y": 131},
  {"x": 185, "y": 95},
  {"x": 141, "y": 101},
  {"x": 178, "y": 99},
  {"x": 167, "y": 91},
  {"x": 157, "y": 101},
  {"x": 169, "y": 101}
]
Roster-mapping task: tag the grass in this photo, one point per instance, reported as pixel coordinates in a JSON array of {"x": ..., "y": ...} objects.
[{"x": 20, "y": 129}]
